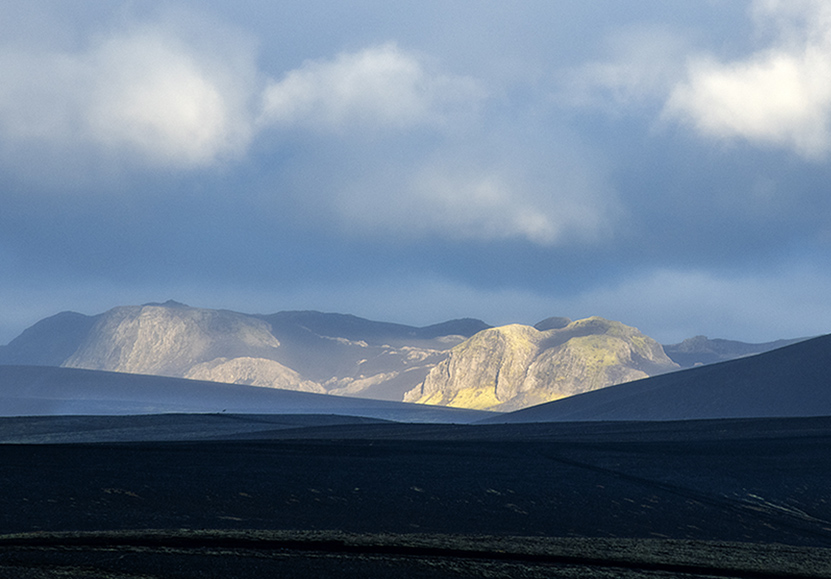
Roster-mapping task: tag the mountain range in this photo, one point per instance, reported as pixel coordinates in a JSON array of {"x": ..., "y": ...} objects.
[
  {"x": 794, "y": 381},
  {"x": 462, "y": 363}
]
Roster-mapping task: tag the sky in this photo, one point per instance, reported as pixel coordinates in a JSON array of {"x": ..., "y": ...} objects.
[{"x": 664, "y": 164}]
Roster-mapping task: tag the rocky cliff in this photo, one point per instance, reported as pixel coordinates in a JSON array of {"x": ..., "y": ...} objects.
[
  {"x": 169, "y": 340},
  {"x": 516, "y": 366}
]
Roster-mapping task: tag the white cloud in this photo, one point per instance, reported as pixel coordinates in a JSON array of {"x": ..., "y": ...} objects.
[
  {"x": 490, "y": 203},
  {"x": 378, "y": 87},
  {"x": 141, "y": 92},
  {"x": 644, "y": 65},
  {"x": 159, "y": 97},
  {"x": 174, "y": 95},
  {"x": 480, "y": 180},
  {"x": 476, "y": 190},
  {"x": 779, "y": 96}
]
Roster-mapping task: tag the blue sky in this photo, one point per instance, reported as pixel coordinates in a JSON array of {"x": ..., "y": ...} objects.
[{"x": 664, "y": 164}]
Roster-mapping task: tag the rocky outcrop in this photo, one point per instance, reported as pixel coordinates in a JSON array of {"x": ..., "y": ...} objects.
[
  {"x": 169, "y": 340},
  {"x": 481, "y": 372},
  {"x": 516, "y": 366}
]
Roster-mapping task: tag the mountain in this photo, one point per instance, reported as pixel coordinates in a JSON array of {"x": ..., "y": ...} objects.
[
  {"x": 168, "y": 340},
  {"x": 307, "y": 351},
  {"x": 701, "y": 350},
  {"x": 787, "y": 382},
  {"x": 459, "y": 363},
  {"x": 46, "y": 390},
  {"x": 515, "y": 366}
]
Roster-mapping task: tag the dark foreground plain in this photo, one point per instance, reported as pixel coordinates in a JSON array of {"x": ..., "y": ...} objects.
[{"x": 725, "y": 498}]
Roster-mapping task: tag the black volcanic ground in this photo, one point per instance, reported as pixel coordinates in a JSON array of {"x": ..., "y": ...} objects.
[{"x": 756, "y": 481}]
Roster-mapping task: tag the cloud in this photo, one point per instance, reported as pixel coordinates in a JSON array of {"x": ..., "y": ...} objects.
[
  {"x": 481, "y": 185},
  {"x": 644, "y": 67},
  {"x": 378, "y": 87},
  {"x": 451, "y": 203},
  {"x": 780, "y": 96},
  {"x": 433, "y": 168},
  {"x": 168, "y": 93},
  {"x": 161, "y": 98},
  {"x": 148, "y": 92},
  {"x": 481, "y": 205},
  {"x": 498, "y": 201}
]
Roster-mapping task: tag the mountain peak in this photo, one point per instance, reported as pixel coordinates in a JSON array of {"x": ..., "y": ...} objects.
[{"x": 167, "y": 304}]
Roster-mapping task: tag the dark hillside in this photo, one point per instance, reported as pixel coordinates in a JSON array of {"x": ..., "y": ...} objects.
[
  {"x": 791, "y": 381},
  {"x": 49, "y": 342}
]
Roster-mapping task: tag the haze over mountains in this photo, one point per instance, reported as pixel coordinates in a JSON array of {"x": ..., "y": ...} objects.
[{"x": 462, "y": 363}]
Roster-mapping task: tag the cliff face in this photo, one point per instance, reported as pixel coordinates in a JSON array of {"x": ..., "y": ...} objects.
[
  {"x": 516, "y": 366},
  {"x": 169, "y": 341}
]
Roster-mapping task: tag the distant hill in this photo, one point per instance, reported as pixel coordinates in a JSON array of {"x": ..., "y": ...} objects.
[
  {"x": 787, "y": 382},
  {"x": 516, "y": 366},
  {"x": 701, "y": 350},
  {"x": 45, "y": 391}
]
